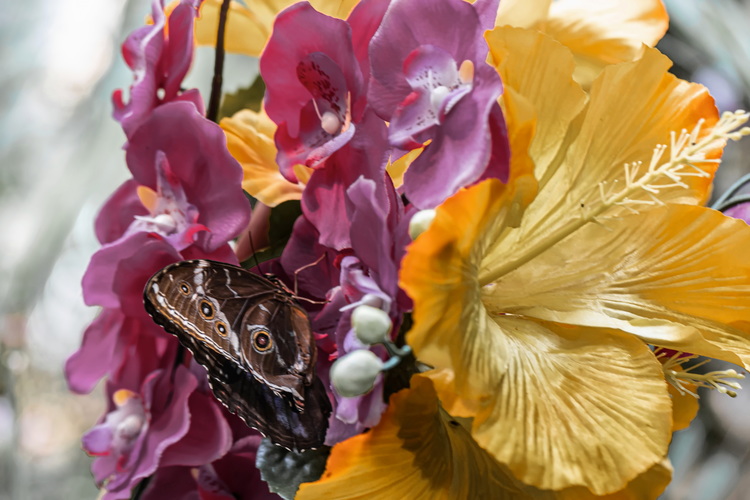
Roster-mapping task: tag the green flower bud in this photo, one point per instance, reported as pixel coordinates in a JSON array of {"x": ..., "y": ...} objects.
[
  {"x": 354, "y": 374},
  {"x": 371, "y": 324}
]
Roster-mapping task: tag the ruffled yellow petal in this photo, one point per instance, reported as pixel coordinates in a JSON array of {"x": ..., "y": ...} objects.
[
  {"x": 250, "y": 141},
  {"x": 605, "y": 32},
  {"x": 575, "y": 406},
  {"x": 440, "y": 274},
  {"x": 248, "y": 28},
  {"x": 417, "y": 451},
  {"x": 647, "y": 486},
  {"x": 396, "y": 169},
  {"x": 597, "y": 33},
  {"x": 451, "y": 399},
  {"x": 522, "y": 13},
  {"x": 677, "y": 276},
  {"x": 633, "y": 108},
  {"x": 684, "y": 408},
  {"x": 246, "y": 31},
  {"x": 539, "y": 70}
]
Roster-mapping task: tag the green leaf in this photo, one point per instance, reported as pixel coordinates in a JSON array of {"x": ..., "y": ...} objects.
[
  {"x": 284, "y": 470},
  {"x": 245, "y": 98}
]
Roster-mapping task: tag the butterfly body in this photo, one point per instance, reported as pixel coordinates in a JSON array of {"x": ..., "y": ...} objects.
[{"x": 255, "y": 342}]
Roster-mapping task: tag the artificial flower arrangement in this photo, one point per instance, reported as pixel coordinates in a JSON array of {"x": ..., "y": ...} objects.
[{"x": 493, "y": 269}]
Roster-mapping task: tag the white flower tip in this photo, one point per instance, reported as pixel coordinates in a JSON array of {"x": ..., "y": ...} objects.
[
  {"x": 371, "y": 324},
  {"x": 420, "y": 222},
  {"x": 354, "y": 374}
]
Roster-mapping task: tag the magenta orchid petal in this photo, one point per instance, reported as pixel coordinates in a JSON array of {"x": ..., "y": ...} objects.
[
  {"x": 98, "y": 440},
  {"x": 324, "y": 199},
  {"x": 159, "y": 63},
  {"x": 431, "y": 81},
  {"x": 364, "y": 20},
  {"x": 298, "y": 32},
  {"x": 304, "y": 249},
  {"x": 741, "y": 211},
  {"x": 208, "y": 439},
  {"x": 165, "y": 399},
  {"x": 118, "y": 212},
  {"x": 98, "y": 351},
  {"x": 313, "y": 145},
  {"x": 462, "y": 142},
  {"x": 210, "y": 178},
  {"x": 376, "y": 232},
  {"x": 134, "y": 260},
  {"x": 173, "y": 216},
  {"x": 487, "y": 12},
  {"x": 315, "y": 89}
]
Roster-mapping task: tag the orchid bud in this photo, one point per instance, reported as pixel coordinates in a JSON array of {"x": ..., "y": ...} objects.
[
  {"x": 354, "y": 374},
  {"x": 371, "y": 324},
  {"x": 420, "y": 222}
]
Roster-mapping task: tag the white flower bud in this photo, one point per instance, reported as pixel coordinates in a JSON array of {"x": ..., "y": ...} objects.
[
  {"x": 420, "y": 222},
  {"x": 354, "y": 374},
  {"x": 371, "y": 324}
]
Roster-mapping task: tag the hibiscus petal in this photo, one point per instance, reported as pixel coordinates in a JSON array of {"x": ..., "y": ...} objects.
[
  {"x": 248, "y": 28},
  {"x": 588, "y": 178},
  {"x": 540, "y": 71},
  {"x": 677, "y": 276},
  {"x": 522, "y": 13},
  {"x": 605, "y": 32},
  {"x": 555, "y": 419},
  {"x": 250, "y": 140},
  {"x": 417, "y": 451},
  {"x": 439, "y": 273}
]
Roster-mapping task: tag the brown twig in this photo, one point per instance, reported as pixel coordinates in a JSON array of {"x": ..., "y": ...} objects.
[{"x": 213, "y": 102}]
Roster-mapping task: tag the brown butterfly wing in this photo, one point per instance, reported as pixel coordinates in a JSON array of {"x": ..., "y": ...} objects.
[{"x": 221, "y": 313}]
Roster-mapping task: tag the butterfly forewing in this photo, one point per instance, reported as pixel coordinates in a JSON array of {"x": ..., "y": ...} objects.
[{"x": 253, "y": 339}]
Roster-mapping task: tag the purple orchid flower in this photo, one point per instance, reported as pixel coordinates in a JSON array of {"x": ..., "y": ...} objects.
[
  {"x": 163, "y": 422},
  {"x": 324, "y": 197},
  {"x": 316, "y": 87},
  {"x": 431, "y": 82},
  {"x": 232, "y": 476},
  {"x": 197, "y": 206},
  {"x": 159, "y": 55},
  {"x": 183, "y": 157}
]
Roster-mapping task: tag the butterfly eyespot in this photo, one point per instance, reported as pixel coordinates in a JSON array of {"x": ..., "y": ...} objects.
[
  {"x": 262, "y": 341},
  {"x": 185, "y": 288},
  {"x": 222, "y": 328},
  {"x": 206, "y": 309}
]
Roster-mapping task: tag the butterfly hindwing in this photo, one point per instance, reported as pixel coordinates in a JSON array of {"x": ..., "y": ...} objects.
[{"x": 255, "y": 342}]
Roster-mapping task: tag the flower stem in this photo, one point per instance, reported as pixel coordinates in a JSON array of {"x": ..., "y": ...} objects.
[{"x": 213, "y": 102}]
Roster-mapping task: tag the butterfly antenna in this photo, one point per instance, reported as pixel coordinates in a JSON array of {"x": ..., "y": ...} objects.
[
  {"x": 296, "y": 294},
  {"x": 255, "y": 258},
  {"x": 303, "y": 268}
]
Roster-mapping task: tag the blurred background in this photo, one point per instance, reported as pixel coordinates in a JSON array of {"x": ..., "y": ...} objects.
[{"x": 60, "y": 155}]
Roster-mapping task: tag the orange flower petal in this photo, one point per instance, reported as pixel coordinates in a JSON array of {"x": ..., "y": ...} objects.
[{"x": 417, "y": 451}]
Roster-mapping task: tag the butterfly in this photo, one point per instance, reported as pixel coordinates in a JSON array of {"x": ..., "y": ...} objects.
[{"x": 255, "y": 342}]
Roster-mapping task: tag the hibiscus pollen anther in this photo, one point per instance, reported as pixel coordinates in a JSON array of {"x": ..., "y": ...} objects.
[{"x": 682, "y": 377}]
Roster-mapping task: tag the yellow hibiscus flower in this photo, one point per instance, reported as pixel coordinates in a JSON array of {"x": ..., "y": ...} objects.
[
  {"x": 544, "y": 316},
  {"x": 537, "y": 300}
]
